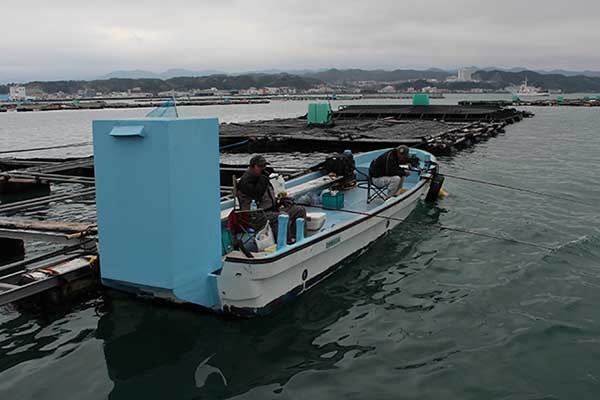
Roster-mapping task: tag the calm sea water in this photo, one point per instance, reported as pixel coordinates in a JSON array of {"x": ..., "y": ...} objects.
[{"x": 423, "y": 314}]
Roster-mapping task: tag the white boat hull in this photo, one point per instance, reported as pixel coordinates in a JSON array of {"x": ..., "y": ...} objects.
[
  {"x": 521, "y": 95},
  {"x": 250, "y": 287}
]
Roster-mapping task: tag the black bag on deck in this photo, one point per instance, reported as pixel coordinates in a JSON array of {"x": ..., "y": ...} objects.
[{"x": 342, "y": 165}]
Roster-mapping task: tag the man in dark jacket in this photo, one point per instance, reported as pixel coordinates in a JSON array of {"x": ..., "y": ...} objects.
[
  {"x": 386, "y": 170},
  {"x": 255, "y": 185}
]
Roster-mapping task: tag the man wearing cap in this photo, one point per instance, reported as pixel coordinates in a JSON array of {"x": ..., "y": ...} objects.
[
  {"x": 255, "y": 185},
  {"x": 385, "y": 170}
]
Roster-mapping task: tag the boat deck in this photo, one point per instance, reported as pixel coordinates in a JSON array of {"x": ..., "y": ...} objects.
[
  {"x": 355, "y": 204},
  {"x": 355, "y": 200},
  {"x": 305, "y": 189}
]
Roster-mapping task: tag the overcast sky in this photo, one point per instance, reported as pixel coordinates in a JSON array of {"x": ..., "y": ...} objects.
[{"x": 84, "y": 39}]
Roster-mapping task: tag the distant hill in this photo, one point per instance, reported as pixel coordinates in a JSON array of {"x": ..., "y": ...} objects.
[
  {"x": 339, "y": 76},
  {"x": 237, "y": 82},
  {"x": 168, "y": 74},
  {"x": 101, "y": 85},
  {"x": 178, "y": 72},
  {"x": 592, "y": 74},
  {"x": 133, "y": 74},
  {"x": 568, "y": 84},
  {"x": 401, "y": 79},
  {"x": 154, "y": 85}
]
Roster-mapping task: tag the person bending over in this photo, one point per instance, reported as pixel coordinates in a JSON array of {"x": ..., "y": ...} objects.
[{"x": 386, "y": 170}]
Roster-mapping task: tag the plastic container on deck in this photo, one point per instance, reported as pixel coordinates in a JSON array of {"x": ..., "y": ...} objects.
[
  {"x": 333, "y": 200},
  {"x": 226, "y": 241},
  {"x": 315, "y": 220}
]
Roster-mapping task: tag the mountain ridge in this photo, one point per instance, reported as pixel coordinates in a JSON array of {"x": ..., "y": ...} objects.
[{"x": 413, "y": 73}]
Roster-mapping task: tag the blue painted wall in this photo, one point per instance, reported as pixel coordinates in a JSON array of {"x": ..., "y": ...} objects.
[{"x": 158, "y": 200}]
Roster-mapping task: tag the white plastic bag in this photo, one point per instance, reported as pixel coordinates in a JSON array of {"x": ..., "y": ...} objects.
[
  {"x": 278, "y": 183},
  {"x": 264, "y": 238}
]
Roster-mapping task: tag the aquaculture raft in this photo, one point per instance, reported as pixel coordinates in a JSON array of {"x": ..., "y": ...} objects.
[
  {"x": 454, "y": 113},
  {"x": 291, "y": 135}
]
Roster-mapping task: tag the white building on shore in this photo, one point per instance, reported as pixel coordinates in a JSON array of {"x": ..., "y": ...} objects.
[
  {"x": 17, "y": 93},
  {"x": 465, "y": 75}
]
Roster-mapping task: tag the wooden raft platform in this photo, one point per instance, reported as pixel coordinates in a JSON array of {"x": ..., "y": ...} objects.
[
  {"x": 449, "y": 113},
  {"x": 285, "y": 135}
]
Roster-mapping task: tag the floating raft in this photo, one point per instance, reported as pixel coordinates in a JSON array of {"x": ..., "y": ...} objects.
[
  {"x": 586, "y": 102},
  {"x": 448, "y": 113},
  {"x": 436, "y": 129},
  {"x": 35, "y": 175},
  {"x": 68, "y": 268},
  {"x": 292, "y": 135}
]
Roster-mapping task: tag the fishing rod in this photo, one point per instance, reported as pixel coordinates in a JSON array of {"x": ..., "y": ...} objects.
[
  {"x": 440, "y": 226},
  {"x": 500, "y": 185}
]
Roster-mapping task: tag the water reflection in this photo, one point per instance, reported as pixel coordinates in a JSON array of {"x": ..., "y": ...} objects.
[
  {"x": 166, "y": 351},
  {"x": 161, "y": 351}
]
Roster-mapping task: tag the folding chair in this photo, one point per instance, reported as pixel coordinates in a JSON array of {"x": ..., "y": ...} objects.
[{"x": 373, "y": 191}]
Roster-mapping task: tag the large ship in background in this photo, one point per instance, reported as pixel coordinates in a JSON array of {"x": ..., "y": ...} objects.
[{"x": 524, "y": 90}]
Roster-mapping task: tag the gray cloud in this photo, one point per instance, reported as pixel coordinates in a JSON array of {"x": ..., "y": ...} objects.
[{"x": 76, "y": 39}]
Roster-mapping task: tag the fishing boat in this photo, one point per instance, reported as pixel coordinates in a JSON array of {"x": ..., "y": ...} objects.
[
  {"x": 168, "y": 242},
  {"x": 259, "y": 282}
]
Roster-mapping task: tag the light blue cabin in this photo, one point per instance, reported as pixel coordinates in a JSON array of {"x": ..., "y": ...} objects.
[{"x": 158, "y": 200}]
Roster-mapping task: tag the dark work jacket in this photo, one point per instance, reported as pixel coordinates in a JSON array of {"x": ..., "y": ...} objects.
[
  {"x": 258, "y": 188},
  {"x": 387, "y": 164}
]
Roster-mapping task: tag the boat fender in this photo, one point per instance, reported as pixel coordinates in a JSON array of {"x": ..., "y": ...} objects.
[{"x": 434, "y": 188}]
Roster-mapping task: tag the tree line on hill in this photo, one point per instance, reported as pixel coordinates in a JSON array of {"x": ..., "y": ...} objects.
[
  {"x": 222, "y": 82},
  {"x": 494, "y": 80},
  {"x": 568, "y": 84}
]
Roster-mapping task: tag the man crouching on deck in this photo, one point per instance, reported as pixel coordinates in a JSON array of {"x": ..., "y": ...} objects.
[
  {"x": 386, "y": 170},
  {"x": 255, "y": 185}
]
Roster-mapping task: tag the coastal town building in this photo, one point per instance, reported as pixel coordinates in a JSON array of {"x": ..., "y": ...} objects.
[
  {"x": 465, "y": 75},
  {"x": 17, "y": 92}
]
